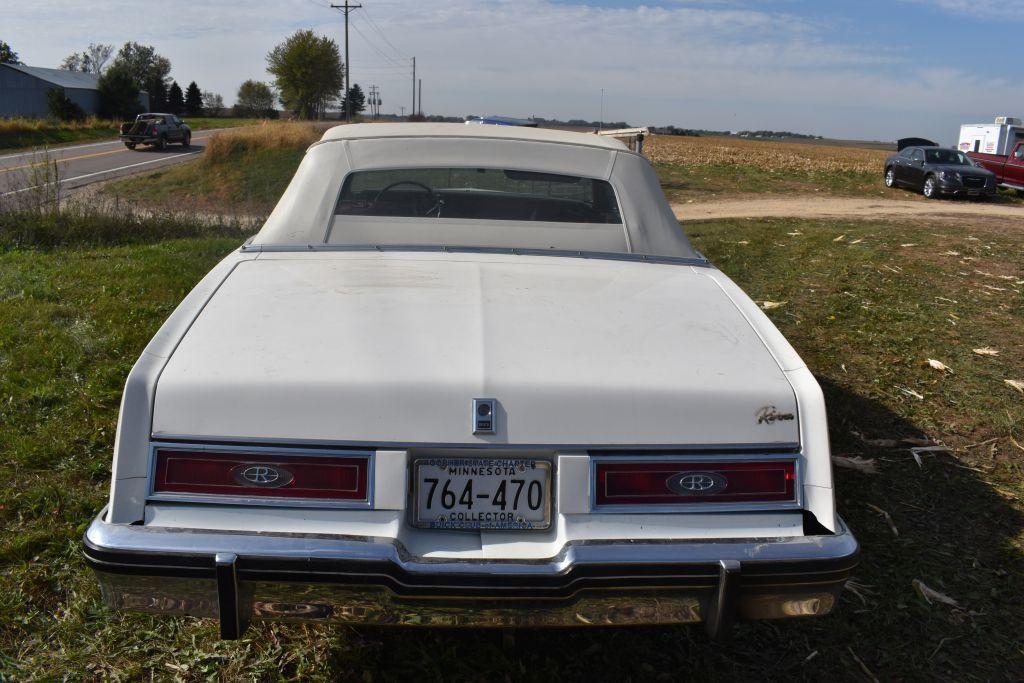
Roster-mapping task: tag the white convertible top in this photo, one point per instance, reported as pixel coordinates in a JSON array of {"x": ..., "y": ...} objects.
[
  {"x": 305, "y": 216},
  {"x": 362, "y": 131}
]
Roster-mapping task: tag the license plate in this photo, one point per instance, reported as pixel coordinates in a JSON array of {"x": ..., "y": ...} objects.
[{"x": 482, "y": 493}]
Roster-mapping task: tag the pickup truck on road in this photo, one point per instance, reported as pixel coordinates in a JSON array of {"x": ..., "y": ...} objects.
[
  {"x": 1009, "y": 169},
  {"x": 155, "y": 129}
]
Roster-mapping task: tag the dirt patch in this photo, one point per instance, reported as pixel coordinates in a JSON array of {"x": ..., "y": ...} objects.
[{"x": 855, "y": 208}]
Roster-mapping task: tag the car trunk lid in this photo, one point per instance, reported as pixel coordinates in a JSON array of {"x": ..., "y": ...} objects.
[{"x": 392, "y": 348}]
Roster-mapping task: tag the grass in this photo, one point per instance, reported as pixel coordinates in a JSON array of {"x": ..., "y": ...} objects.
[
  {"x": 76, "y": 226},
  {"x": 864, "y": 311},
  {"x": 243, "y": 171},
  {"x": 18, "y": 132}
]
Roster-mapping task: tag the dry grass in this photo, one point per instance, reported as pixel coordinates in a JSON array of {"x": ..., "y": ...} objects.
[
  {"x": 771, "y": 156},
  {"x": 19, "y": 132},
  {"x": 265, "y": 136},
  {"x": 18, "y": 125}
]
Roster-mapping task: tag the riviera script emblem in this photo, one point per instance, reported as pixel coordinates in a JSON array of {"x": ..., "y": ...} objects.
[
  {"x": 770, "y": 414},
  {"x": 696, "y": 483},
  {"x": 264, "y": 476}
]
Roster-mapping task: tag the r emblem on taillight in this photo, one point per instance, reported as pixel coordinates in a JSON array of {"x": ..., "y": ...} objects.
[
  {"x": 696, "y": 483},
  {"x": 261, "y": 475}
]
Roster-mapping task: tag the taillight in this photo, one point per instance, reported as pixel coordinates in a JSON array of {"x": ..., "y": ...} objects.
[
  {"x": 689, "y": 482},
  {"x": 153, "y": 131},
  {"x": 262, "y": 474}
]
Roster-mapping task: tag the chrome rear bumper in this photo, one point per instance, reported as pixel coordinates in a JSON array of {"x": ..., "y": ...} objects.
[{"x": 236, "y": 577}]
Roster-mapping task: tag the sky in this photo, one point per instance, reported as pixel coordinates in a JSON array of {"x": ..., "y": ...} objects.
[{"x": 858, "y": 69}]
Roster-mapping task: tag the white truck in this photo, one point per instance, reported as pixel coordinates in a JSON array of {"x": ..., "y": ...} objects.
[{"x": 991, "y": 138}]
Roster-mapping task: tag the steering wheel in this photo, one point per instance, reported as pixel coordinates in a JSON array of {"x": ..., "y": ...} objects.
[{"x": 435, "y": 200}]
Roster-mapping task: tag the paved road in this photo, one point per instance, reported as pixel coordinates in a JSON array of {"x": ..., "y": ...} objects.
[{"x": 81, "y": 164}]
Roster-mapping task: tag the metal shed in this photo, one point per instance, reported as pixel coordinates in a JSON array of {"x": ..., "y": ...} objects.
[{"x": 23, "y": 90}]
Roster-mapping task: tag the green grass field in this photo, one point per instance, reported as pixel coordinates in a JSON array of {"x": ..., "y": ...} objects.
[
  {"x": 865, "y": 311},
  {"x": 28, "y": 133}
]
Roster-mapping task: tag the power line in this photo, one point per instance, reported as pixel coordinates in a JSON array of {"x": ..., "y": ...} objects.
[
  {"x": 375, "y": 27},
  {"x": 373, "y": 46}
]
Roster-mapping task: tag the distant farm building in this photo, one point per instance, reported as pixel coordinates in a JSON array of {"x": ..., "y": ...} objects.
[{"x": 23, "y": 90}]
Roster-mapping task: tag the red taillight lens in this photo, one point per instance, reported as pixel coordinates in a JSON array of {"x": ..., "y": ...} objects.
[
  {"x": 272, "y": 475},
  {"x": 153, "y": 131},
  {"x": 667, "y": 482}
]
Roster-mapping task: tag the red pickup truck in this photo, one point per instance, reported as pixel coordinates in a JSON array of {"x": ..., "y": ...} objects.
[{"x": 1009, "y": 169}]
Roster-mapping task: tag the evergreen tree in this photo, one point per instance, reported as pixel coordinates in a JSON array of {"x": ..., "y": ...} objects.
[
  {"x": 358, "y": 99},
  {"x": 193, "y": 100},
  {"x": 175, "y": 99},
  {"x": 157, "y": 94}
]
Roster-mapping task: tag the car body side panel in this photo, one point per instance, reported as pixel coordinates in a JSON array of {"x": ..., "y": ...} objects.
[{"x": 131, "y": 444}]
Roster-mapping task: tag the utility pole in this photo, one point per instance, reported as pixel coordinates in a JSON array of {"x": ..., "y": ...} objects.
[
  {"x": 600, "y": 123},
  {"x": 413, "y": 110},
  {"x": 374, "y": 101},
  {"x": 421, "y": 98},
  {"x": 346, "y": 8}
]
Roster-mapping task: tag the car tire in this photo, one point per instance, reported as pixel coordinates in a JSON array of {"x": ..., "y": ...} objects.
[
  {"x": 186, "y": 142},
  {"x": 161, "y": 143},
  {"x": 931, "y": 187},
  {"x": 890, "y": 177}
]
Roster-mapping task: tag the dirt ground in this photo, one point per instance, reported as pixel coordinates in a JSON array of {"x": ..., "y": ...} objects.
[{"x": 803, "y": 206}]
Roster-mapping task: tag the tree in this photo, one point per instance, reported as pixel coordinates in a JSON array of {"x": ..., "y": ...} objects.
[
  {"x": 254, "y": 99},
  {"x": 358, "y": 100},
  {"x": 157, "y": 90},
  {"x": 193, "y": 100},
  {"x": 212, "y": 103},
  {"x": 143, "y": 64},
  {"x": 119, "y": 94},
  {"x": 7, "y": 54},
  {"x": 175, "y": 99},
  {"x": 308, "y": 73},
  {"x": 91, "y": 60},
  {"x": 62, "y": 107}
]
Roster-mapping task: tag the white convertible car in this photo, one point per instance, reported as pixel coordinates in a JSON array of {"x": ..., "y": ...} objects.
[{"x": 471, "y": 376}]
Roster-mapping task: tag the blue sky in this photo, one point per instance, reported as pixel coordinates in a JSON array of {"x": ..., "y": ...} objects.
[{"x": 842, "y": 68}]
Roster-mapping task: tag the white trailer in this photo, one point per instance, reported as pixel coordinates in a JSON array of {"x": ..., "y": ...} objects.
[{"x": 991, "y": 138}]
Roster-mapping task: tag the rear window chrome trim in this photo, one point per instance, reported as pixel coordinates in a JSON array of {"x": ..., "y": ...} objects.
[
  {"x": 455, "y": 249},
  {"x": 690, "y": 456},
  {"x": 260, "y": 501}
]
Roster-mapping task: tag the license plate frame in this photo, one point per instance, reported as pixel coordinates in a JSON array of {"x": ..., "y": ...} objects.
[{"x": 534, "y": 465}]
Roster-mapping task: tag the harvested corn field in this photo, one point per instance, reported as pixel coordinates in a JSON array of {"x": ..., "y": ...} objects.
[{"x": 770, "y": 156}]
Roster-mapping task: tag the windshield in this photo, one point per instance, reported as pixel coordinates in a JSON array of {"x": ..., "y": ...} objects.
[
  {"x": 948, "y": 156},
  {"x": 478, "y": 194}
]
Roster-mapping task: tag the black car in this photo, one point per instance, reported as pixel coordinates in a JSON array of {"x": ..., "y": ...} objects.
[{"x": 938, "y": 171}]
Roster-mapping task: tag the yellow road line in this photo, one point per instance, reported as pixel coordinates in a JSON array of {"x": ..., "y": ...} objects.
[{"x": 81, "y": 156}]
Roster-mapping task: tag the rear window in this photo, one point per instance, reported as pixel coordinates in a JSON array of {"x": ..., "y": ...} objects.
[{"x": 478, "y": 194}]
